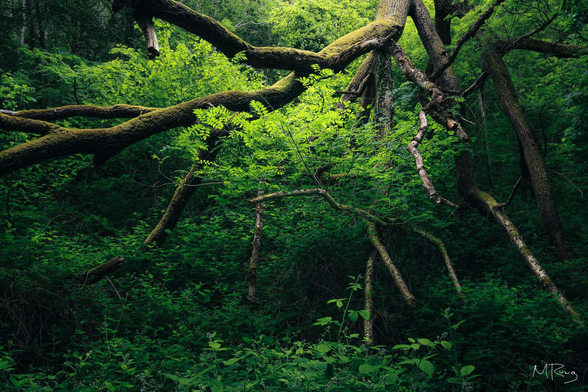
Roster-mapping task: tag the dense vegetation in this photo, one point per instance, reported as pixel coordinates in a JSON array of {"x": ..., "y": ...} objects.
[{"x": 299, "y": 251}]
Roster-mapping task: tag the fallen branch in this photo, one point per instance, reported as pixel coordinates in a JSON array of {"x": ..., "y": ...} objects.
[
  {"x": 420, "y": 165},
  {"x": 526, "y": 253},
  {"x": 441, "y": 246},
  {"x": 398, "y": 279},
  {"x": 97, "y": 273}
]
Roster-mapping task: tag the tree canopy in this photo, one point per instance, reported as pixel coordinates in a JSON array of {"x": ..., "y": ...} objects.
[{"x": 293, "y": 195}]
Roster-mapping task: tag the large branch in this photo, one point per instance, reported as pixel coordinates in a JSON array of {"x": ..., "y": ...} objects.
[
  {"x": 60, "y": 113},
  {"x": 372, "y": 36},
  {"x": 546, "y": 47},
  {"x": 514, "y": 236},
  {"x": 107, "y": 142}
]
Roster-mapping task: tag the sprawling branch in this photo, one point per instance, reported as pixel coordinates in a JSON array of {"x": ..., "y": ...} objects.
[
  {"x": 546, "y": 47},
  {"x": 420, "y": 165},
  {"x": 116, "y": 111},
  {"x": 107, "y": 142},
  {"x": 372, "y": 36},
  {"x": 325, "y": 195},
  {"x": 525, "y": 252}
]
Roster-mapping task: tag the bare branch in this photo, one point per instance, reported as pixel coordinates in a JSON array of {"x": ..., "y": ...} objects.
[
  {"x": 325, "y": 195},
  {"x": 396, "y": 275},
  {"x": 420, "y": 165},
  {"x": 439, "y": 107},
  {"x": 441, "y": 246},
  {"x": 477, "y": 83}
]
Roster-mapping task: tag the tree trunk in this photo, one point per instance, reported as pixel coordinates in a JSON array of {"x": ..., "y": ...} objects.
[
  {"x": 253, "y": 262},
  {"x": 493, "y": 64}
]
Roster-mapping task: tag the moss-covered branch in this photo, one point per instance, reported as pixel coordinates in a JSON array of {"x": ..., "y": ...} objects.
[
  {"x": 514, "y": 236},
  {"x": 370, "y": 37}
]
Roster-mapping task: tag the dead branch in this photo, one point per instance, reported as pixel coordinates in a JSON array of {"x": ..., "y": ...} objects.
[
  {"x": 420, "y": 165},
  {"x": 398, "y": 279}
]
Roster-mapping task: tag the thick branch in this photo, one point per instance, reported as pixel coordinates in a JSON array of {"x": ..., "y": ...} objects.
[
  {"x": 97, "y": 273},
  {"x": 398, "y": 279},
  {"x": 514, "y": 236},
  {"x": 66, "y": 141},
  {"x": 16, "y": 124},
  {"x": 350, "y": 46},
  {"x": 116, "y": 111},
  {"x": 420, "y": 165},
  {"x": 145, "y": 23},
  {"x": 535, "y": 45}
]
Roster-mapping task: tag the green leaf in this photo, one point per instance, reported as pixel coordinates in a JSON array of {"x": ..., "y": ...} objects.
[
  {"x": 323, "y": 348},
  {"x": 427, "y": 367},
  {"x": 467, "y": 370},
  {"x": 426, "y": 342},
  {"x": 446, "y": 344},
  {"x": 353, "y": 315},
  {"x": 365, "y": 314},
  {"x": 367, "y": 368}
]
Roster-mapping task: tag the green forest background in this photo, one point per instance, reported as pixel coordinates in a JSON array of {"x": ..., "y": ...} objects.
[{"x": 177, "y": 316}]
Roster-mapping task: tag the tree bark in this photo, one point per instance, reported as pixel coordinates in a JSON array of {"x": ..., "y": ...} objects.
[
  {"x": 368, "y": 294},
  {"x": 253, "y": 262},
  {"x": 493, "y": 64}
]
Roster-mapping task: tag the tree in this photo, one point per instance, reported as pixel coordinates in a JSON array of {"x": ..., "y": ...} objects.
[{"x": 440, "y": 90}]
